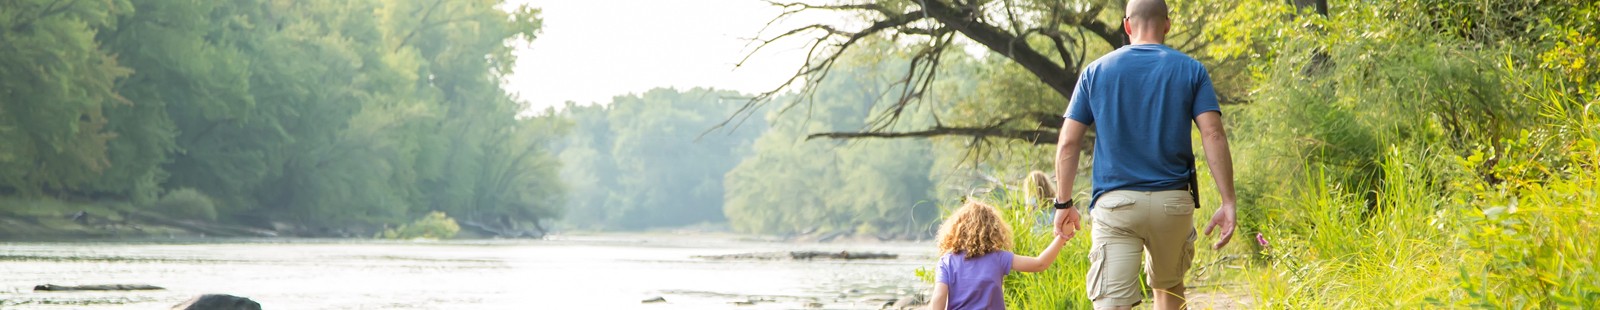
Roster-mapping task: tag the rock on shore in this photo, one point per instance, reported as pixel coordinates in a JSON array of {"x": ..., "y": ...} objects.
[{"x": 218, "y": 302}]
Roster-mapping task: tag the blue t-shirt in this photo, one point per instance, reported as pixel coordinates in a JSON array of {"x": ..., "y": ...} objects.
[
  {"x": 1141, "y": 99},
  {"x": 975, "y": 282}
]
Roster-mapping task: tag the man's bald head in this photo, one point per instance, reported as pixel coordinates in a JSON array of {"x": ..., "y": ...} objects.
[
  {"x": 1147, "y": 10},
  {"x": 1147, "y": 21}
]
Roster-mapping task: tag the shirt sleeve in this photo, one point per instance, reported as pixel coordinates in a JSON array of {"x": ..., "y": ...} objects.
[
  {"x": 942, "y": 274},
  {"x": 1007, "y": 259},
  {"x": 1205, "y": 96},
  {"x": 1078, "y": 109}
]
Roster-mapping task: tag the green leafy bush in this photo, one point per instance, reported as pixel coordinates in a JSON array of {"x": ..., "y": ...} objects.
[{"x": 436, "y": 225}]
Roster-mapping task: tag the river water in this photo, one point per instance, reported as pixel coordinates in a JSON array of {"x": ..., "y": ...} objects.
[{"x": 567, "y": 272}]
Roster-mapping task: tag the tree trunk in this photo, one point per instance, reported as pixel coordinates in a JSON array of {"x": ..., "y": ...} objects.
[{"x": 1320, "y": 6}]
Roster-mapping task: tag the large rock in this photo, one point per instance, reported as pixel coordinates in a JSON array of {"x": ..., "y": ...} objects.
[
  {"x": 218, "y": 302},
  {"x": 911, "y": 302}
]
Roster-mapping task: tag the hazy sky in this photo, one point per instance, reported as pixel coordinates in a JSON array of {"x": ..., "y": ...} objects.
[{"x": 592, "y": 50}]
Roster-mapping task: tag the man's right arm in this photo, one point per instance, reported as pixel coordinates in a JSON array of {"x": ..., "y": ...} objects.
[
  {"x": 1215, "y": 141},
  {"x": 1068, "y": 144}
]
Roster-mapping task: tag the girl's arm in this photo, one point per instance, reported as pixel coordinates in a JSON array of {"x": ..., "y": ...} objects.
[
  {"x": 941, "y": 296},
  {"x": 1037, "y": 264}
]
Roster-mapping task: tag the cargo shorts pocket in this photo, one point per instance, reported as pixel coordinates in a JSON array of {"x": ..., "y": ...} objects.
[
  {"x": 1179, "y": 206},
  {"x": 1097, "y": 262},
  {"x": 1110, "y": 202}
]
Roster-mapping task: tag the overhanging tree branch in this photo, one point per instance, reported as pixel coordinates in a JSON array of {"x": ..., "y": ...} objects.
[
  {"x": 1031, "y": 136},
  {"x": 995, "y": 25}
]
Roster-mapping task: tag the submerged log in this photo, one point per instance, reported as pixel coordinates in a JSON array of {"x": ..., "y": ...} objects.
[
  {"x": 508, "y": 232},
  {"x": 199, "y": 227},
  {"x": 96, "y": 287}
]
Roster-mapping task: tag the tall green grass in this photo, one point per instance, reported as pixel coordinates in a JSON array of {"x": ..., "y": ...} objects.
[
  {"x": 1062, "y": 285},
  {"x": 1421, "y": 172}
]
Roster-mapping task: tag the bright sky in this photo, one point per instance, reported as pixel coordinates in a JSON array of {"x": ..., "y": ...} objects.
[{"x": 592, "y": 50}]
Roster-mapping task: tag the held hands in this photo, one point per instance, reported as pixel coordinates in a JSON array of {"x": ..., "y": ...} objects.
[
  {"x": 1066, "y": 224},
  {"x": 1223, "y": 219}
]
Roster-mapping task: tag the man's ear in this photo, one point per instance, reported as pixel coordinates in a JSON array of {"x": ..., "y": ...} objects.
[{"x": 1127, "y": 27}]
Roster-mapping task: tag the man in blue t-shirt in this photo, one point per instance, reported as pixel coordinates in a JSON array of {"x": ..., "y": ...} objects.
[{"x": 1141, "y": 99}]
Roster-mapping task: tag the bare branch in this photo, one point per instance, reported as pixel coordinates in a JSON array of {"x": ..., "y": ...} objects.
[
  {"x": 818, "y": 70},
  {"x": 1068, "y": 28},
  {"x": 1038, "y": 137}
]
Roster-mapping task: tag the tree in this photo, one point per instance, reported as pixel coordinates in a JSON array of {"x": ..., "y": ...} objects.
[
  {"x": 1051, "y": 41},
  {"x": 55, "y": 83}
]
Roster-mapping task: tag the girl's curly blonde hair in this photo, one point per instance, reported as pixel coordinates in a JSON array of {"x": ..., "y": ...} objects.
[{"x": 974, "y": 230}]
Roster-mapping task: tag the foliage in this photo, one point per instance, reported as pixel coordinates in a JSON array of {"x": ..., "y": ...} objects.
[
  {"x": 57, "y": 82},
  {"x": 186, "y": 203},
  {"x": 348, "y": 113},
  {"x": 1419, "y": 156},
  {"x": 436, "y": 225}
]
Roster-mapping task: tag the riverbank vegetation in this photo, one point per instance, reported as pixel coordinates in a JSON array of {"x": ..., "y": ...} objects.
[{"x": 1441, "y": 154}]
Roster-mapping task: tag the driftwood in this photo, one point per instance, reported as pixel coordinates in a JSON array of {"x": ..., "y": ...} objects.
[
  {"x": 801, "y": 255},
  {"x": 95, "y": 287},
  {"x": 205, "y": 228}
]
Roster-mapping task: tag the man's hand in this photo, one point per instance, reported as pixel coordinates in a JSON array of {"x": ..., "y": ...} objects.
[
  {"x": 1066, "y": 223},
  {"x": 1223, "y": 219}
]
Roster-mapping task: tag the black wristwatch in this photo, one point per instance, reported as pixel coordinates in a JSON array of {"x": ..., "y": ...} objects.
[{"x": 1063, "y": 205}]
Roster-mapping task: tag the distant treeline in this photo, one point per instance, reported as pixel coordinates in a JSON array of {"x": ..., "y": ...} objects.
[
  {"x": 323, "y": 113},
  {"x": 648, "y": 160}
]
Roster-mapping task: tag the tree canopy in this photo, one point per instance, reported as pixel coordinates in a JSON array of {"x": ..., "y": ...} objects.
[{"x": 328, "y": 114}]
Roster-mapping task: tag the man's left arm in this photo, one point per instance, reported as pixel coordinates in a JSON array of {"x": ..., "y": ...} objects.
[{"x": 1215, "y": 141}]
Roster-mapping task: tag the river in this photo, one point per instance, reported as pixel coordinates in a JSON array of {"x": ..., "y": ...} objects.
[{"x": 564, "y": 272}]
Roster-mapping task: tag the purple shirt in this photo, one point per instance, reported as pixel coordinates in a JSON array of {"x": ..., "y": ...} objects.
[{"x": 975, "y": 282}]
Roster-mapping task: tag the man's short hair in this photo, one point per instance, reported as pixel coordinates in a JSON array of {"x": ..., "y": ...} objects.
[{"x": 1147, "y": 10}]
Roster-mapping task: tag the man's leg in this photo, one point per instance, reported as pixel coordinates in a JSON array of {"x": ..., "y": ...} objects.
[
  {"x": 1170, "y": 298},
  {"x": 1115, "y": 252},
  {"x": 1170, "y": 246}
]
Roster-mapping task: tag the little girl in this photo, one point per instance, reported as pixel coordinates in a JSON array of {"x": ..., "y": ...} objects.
[{"x": 976, "y": 246}]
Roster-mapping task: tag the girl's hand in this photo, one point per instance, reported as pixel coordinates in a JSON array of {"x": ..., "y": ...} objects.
[{"x": 1066, "y": 223}]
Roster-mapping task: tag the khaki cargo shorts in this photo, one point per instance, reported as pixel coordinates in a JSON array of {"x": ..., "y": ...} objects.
[{"x": 1158, "y": 225}]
